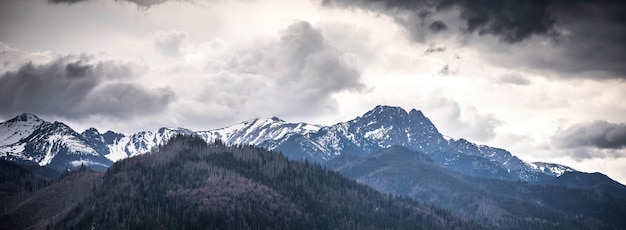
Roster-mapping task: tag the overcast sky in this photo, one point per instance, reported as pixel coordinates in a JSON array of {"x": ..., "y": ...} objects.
[{"x": 543, "y": 79}]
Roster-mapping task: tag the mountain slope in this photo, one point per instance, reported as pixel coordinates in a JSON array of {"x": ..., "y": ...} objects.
[
  {"x": 40, "y": 202},
  {"x": 386, "y": 126},
  {"x": 19, "y": 127},
  {"x": 379, "y": 128},
  {"x": 496, "y": 203},
  {"x": 30, "y": 140},
  {"x": 217, "y": 186}
]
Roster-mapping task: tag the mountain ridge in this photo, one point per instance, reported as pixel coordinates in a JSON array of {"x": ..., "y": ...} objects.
[{"x": 378, "y": 128}]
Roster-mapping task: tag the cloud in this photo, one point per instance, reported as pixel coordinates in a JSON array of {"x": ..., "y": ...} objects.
[
  {"x": 148, "y": 3},
  {"x": 574, "y": 39},
  {"x": 514, "y": 79},
  {"x": 12, "y": 58},
  {"x": 510, "y": 20},
  {"x": 598, "y": 134},
  {"x": 467, "y": 123},
  {"x": 437, "y": 26},
  {"x": 65, "y": 1},
  {"x": 78, "y": 87},
  {"x": 447, "y": 70},
  {"x": 433, "y": 48},
  {"x": 141, "y": 3},
  {"x": 589, "y": 45},
  {"x": 170, "y": 43},
  {"x": 297, "y": 74}
]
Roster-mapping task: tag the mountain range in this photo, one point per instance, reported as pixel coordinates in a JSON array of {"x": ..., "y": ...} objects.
[
  {"x": 390, "y": 149},
  {"x": 27, "y": 139}
]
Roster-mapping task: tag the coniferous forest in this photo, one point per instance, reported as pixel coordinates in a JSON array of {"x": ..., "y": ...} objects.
[{"x": 189, "y": 184}]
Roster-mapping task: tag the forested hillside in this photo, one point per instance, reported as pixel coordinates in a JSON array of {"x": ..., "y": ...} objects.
[
  {"x": 189, "y": 184},
  {"x": 574, "y": 201},
  {"x": 31, "y": 201}
]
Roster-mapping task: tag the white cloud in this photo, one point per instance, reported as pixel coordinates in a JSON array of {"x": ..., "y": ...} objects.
[{"x": 170, "y": 43}]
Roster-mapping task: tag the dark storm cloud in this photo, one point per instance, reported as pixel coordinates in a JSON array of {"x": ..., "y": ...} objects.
[
  {"x": 598, "y": 134},
  {"x": 76, "y": 87},
  {"x": 437, "y": 26},
  {"x": 586, "y": 37},
  {"x": 510, "y": 20},
  {"x": 124, "y": 99}
]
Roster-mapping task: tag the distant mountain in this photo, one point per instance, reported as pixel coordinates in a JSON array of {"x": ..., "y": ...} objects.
[
  {"x": 500, "y": 204},
  {"x": 386, "y": 126},
  {"x": 222, "y": 187},
  {"x": 30, "y": 140}
]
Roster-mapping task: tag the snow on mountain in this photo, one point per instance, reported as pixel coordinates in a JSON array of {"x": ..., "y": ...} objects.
[
  {"x": 255, "y": 132},
  {"x": 28, "y": 138},
  {"x": 13, "y": 130},
  {"x": 386, "y": 126},
  {"x": 34, "y": 141},
  {"x": 551, "y": 169},
  {"x": 258, "y": 131},
  {"x": 142, "y": 142}
]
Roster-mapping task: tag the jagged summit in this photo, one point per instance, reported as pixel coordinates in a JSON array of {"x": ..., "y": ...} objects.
[
  {"x": 19, "y": 127},
  {"x": 276, "y": 119},
  {"x": 25, "y": 117},
  {"x": 30, "y": 140},
  {"x": 178, "y": 130},
  {"x": 379, "y": 128},
  {"x": 91, "y": 130}
]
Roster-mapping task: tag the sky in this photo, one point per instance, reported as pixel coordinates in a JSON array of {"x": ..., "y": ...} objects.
[{"x": 545, "y": 80}]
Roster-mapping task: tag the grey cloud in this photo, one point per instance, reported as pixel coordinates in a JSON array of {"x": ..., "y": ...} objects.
[
  {"x": 434, "y": 49},
  {"x": 142, "y": 3},
  {"x": 590, "y": 46},
  {"x": 510, "y": 20},
  {"x": 148, "y": 3},
  {"x": 514, "y": 79},
  {"x": 126, "y": 99},
  {"x": 77, "y": 87},
  {"x": 65, "y": 1},
  {"x": 447, "y": 70},
  {"x": 585, "y": 37},
  {"x": 437, "y": 26},
  {"x": 170, "y": 43},
  {"x": 598, "y": 134},
  {"x": 301, "y": 69},
  {"x": 467, "y": 123}
]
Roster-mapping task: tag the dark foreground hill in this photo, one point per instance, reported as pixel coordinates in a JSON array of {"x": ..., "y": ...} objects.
[
  {"x": 31, "y": 201},
  {"x": 189, "y": 184}
]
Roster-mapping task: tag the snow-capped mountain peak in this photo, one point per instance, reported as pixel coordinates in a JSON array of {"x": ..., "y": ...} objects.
[
  {"x": 28, "y": 138},
  {"x": 35, "y": 141},
  {"x": 19, "y": 127}
]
